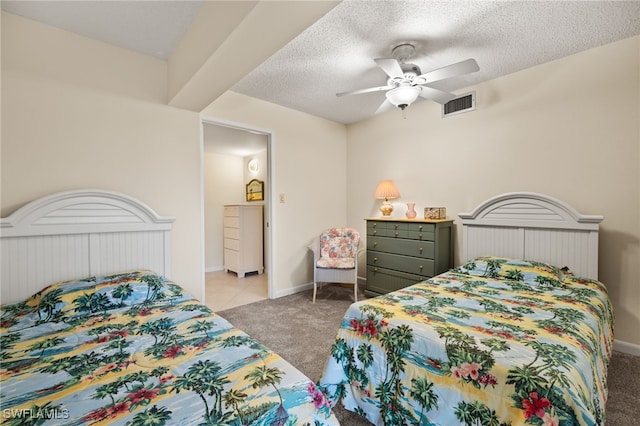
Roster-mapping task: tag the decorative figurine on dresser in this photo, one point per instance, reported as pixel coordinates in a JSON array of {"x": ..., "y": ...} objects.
[
  {"x": 243, "y": 242},
  {"x": 402, "y": 252}
]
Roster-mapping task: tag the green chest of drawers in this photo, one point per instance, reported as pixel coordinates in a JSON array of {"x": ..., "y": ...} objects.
[{"x": 403, "y": 252}]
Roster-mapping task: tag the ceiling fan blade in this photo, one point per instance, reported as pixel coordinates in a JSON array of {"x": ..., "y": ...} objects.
[
  {"x": 439, "y": 96},
  {"x": 391, "y": 67},
  {"x": 453, "y": 70},
  {"x": 368, "y": 90},
  {"x": 385, "y": 106}
]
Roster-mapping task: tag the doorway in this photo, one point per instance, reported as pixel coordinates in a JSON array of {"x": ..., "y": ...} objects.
[{"x": 233, "y": 156}]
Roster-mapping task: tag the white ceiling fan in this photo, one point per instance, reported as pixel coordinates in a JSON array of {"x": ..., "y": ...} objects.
[{"x": 406, "y": 82}]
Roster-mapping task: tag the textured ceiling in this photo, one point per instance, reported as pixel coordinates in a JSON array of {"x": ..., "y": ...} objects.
[{"x": 336, "y": 53}]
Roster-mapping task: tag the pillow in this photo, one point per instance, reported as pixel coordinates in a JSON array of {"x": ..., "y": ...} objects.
[
  {"x": 530, "y": 272},
  {"x": 72, "y": 300}
]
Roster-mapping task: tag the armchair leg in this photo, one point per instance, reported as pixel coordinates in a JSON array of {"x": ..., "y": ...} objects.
[{"x": 315, "y": 290}]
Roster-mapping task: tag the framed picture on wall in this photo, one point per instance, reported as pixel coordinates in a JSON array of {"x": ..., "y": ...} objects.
[{"x": 255, "y": 190}]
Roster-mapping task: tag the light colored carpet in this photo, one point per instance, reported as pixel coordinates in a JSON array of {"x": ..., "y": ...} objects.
[{"x": 302, "y": 333}]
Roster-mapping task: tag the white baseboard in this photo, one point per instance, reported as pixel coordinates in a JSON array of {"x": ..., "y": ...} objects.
[
  {"x": 293, "y": 290},
  {"x": 302, "y": 287},
  {"x": 627, "y": 348},
  {"x": 213, "y": 268}
]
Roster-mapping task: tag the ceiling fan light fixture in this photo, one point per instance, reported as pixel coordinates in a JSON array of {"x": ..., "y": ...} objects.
[{"x": 403, "y": 96}]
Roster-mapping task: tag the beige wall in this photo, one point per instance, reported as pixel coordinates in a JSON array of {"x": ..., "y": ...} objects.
[
  {"x": 263, "y": 175},
  {"x": 225, "y": 179},
  {"x": 77, "y": 113},
  {"x": 569, "y": 129},
  {"x": 308, "y": 166},
  {"x": 81, "y": 114},
  {"x": 223, "y": 184}
]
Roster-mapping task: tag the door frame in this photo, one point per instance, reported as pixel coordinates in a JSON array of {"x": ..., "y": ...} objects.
[{"x": 268, "y": 240}]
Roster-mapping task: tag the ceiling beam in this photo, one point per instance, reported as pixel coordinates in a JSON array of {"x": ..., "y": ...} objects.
[{"x": 262, "y": 29}]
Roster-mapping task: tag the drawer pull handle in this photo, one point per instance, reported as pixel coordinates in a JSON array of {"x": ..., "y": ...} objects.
[
  {"x": 375, "y": 243},
  {"x": 420, "y": 249},
  {"x": 375, "y": 232},
  {"x": 375, "y": 259},
  {"x": 396, "y": 226},
  {"x": 420, "y": 267},
  {"x": 420, "y": 227},
  {"x": 396, "y": 234},
  {"x": 375, "y": 224}
]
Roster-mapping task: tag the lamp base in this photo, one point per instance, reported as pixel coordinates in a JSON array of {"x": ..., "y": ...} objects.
[{"x": 386, "y": 208}]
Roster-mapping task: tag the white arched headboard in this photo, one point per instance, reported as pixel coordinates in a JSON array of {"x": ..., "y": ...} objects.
[
  {"x": 527, "y": 225},
  {"x": 78, "y": 234}
]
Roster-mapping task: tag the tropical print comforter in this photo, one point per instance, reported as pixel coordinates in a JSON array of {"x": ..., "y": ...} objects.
[
  {"x": 135, "y": 349},
  {"x": 493, "y": 342}
]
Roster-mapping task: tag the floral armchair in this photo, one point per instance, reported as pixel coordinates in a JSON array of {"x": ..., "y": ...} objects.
[{"x": 335, "y": 258}]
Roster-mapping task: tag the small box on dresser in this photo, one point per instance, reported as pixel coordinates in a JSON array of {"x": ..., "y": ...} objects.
[
  {"x": 243, "y": 241},
  {"x": 402, "y": 252}
]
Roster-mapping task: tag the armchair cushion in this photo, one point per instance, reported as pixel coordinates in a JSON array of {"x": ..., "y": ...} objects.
[
  {"x": 337, "y": 263},
  {"x": 338, "y": 248}
]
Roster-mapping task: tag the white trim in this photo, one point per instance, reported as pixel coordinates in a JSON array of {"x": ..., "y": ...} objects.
[
  {"x": 203, "y": 287},
  {"x": 626, "y": 347},
  {"x": 293, "y": 290},
  {"x": 76, "y": 234},
  {"x": 269, "y": 212}
]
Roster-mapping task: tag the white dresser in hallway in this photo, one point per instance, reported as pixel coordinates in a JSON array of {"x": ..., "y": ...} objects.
[{"x": 243, "y": 241}]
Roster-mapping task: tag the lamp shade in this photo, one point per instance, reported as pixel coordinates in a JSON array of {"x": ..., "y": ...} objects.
[
  {"x": 403, "y": 96},
  {"x": 386, "y": 190}
]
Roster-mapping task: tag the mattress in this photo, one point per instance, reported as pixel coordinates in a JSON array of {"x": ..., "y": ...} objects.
[
  {"x": 135, "y": 348},
  {"x": 496, "y": 341}
]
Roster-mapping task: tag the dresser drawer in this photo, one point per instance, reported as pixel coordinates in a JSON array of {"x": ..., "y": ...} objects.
[
  {"x": 414, "y": 231},
  {"x": 231, "y": 222},
  {"x": 381, "y": 280},
  {"x": 411, "y": 265},
  {"x": 424, "y": 249},
  {"x": 231, "y": 259},
  {"x": 232, "y": 233},
  {"x": 232, "y": 211},
  {"x": 230, "y": 243}
]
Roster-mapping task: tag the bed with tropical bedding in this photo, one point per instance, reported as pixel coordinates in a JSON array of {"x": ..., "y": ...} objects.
[
  {"x": 496, "y": 341},
  {"x": 136, "y": 349}
]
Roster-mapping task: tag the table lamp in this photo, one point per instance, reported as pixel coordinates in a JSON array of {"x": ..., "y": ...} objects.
[{"x": 386, "y": 191}]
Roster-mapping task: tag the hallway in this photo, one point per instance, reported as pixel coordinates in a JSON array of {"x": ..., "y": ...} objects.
[{"x": 224, "y": 290}]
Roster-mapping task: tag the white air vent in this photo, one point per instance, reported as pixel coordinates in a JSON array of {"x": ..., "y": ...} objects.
[{"x": 463, "y": 103}]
